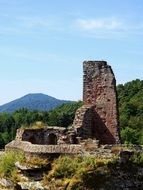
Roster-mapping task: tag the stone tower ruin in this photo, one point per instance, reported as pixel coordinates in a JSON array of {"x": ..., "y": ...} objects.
[
  {"x": 98, "y": 117},
  {"x": 96, "y": 122}
]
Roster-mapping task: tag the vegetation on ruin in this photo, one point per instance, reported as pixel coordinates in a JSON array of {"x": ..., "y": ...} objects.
[
  {"x": 137, "y": 159},
  {"x": 84, "y": 172},
  {"x": 7, "y": 163},
  {"x": 76, "y": 172},
  {"x": 8, "y": 160},
  {"x": 71, "y": 172}
]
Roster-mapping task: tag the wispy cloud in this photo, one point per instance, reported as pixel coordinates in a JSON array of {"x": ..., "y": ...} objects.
[
  {"x": 97, "y": 24},
  {"x": 108, "y": 27}
]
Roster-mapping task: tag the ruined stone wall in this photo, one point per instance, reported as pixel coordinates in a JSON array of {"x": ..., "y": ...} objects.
[
  {"x": 99, "y": 90},
  {"x": 43, "y": 136},
  {"x": 30, "y": 148},
  {"x": 84, "y": 121}
]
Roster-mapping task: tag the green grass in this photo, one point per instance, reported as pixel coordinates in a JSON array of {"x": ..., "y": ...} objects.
[{"x": 7, "y": 163}]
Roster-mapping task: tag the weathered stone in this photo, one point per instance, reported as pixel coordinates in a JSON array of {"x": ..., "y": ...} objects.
[
  {"x": 33, "y": 172},
  {"x": 6, "y": 183},
  {"x": 84, "y": 121},
  {"x": 45, "y": 136},
  {"x": 98, "y": 118},
  {"x": 43, "y": 149},
  {"x": 30, "y": 185}
]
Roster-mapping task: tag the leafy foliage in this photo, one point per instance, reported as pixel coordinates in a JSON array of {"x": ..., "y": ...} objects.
[
  {"x": 137, "y": 159},
  {"x": 63, "y": 115},
  {"x": 130, "y": 98}
]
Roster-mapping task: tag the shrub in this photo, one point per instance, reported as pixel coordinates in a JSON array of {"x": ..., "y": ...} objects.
[
  {"x": 137, "y": 159},
  {"x": 7, "y": 163},
  {"x": 35, "y": 161},
  {"x": 89, "y": 163},
  {"x": 76, "y": 172},
  {"x": 64, "y": 167},
  {"x": 75, "y": 184}
]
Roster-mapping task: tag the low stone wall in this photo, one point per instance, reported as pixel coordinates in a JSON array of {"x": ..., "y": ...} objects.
[
  {"x": 88, "y": 147},
  {"x": 43, "y": 149}
]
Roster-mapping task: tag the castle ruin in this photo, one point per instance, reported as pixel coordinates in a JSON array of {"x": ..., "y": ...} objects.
[{"x": 97, "y": 119}]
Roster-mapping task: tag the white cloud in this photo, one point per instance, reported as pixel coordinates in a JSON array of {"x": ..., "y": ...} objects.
[
  {"x": 98, "y": 24},
  {"x": 108, "y": 27}
]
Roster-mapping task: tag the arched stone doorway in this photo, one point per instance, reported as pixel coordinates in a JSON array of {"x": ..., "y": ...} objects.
[{"x": 52, "y": 139}]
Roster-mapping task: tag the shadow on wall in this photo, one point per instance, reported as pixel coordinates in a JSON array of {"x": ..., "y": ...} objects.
[
  {"x": 89, "y": 124},
  {"x": 40, "y": 136},
  {"x": 101, "y": 132}
]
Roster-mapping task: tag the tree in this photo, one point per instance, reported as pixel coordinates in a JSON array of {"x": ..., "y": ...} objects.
[{"x": 130, "y": 98}]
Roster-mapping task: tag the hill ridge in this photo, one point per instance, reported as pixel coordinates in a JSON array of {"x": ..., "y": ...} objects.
[{"x": 33, "y": 101}]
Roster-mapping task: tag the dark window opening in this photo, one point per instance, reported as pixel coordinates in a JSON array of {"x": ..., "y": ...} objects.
[
  {"x": 32, "y": 140},
  {"x": 52, "y": 139}
]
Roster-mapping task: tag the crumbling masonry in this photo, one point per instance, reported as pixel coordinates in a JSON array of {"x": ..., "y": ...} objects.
[
  {"x": 96, "y": 122},
  {"x": 98, "y": 118}
]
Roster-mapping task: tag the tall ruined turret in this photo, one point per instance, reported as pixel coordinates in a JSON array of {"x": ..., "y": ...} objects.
[{"x": 100, "y": 116}]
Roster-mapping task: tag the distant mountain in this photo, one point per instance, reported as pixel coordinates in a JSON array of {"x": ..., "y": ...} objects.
[{"x": 36, "y": 101}]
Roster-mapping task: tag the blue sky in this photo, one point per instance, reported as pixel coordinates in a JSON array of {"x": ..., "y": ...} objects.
[{"x": 44, "y": 42}]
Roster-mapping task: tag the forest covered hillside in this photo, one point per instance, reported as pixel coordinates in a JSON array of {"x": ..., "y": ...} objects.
[{"x": 130, "y": 100}]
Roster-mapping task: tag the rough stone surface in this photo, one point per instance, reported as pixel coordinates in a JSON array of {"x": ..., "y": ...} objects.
[
  {"x": 49, "y": 135},
  {"x": 43, "y": 149},
  {"x": 6, "y": 183},
  {"x": 84, "y": 121},
  {"x": 99, "y": 115},
  {"x": 36, "y": 185}
]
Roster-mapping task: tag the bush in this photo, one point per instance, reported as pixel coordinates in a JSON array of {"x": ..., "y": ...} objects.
[
  {"x": 35, "y": 161},
  {"x": 137, "y": 159},
  {"x": 65, "y": 167},
  {"x": 75, "y": 184},
  {"x": 76, "y": 172},
  {"x": 7, "y": 163}
]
